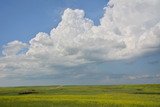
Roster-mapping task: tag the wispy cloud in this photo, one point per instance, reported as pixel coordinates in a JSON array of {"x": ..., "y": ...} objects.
[{"x": 157, "y": 76}]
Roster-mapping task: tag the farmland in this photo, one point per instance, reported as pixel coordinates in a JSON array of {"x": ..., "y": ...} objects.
[{"x": 81, "y": 96}]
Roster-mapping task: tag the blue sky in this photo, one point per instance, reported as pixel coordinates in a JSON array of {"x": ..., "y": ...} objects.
[
  {"x": 23, "y": 19},
  {"x": 102, "y": 47}
]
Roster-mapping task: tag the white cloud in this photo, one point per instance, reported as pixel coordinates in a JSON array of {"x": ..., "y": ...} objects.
[
  {"x": 127, "y": 29},
  {"x": 157, "y": 76},
  {"x": 13, "y": 48}
]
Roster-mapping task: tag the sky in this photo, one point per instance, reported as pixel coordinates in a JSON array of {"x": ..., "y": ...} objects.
[
  {"x": 33, "y": 16},
  {"x": 79, "y": 42}
]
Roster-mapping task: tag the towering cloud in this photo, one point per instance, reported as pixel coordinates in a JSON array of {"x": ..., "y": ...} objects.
[{"x": 129, "y": 28}]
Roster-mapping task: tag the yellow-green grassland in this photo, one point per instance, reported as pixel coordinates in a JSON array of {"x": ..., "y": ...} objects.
[{"x": 81, "y": 96}]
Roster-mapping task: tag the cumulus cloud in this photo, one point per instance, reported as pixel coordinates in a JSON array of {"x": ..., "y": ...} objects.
[
  {"x": 128, "y": 29},
  {"x": 14, "y": 48}
]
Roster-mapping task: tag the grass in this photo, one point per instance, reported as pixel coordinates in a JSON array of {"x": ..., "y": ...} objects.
[{"x": 81, "y": 96}]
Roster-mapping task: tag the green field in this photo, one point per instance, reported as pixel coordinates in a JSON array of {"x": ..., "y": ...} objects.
[{"x": 81, "y": 96}]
